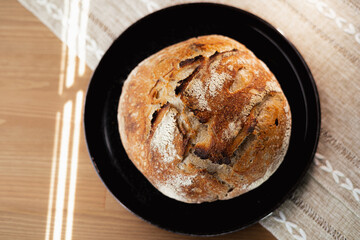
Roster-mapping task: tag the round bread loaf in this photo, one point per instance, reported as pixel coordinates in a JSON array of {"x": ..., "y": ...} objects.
[{"x": 204, "y": 120}]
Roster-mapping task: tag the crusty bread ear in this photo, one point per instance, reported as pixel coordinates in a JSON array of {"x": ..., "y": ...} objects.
[{"x": 204, "y": 120}]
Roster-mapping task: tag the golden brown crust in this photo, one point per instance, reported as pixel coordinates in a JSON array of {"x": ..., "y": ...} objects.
[{"x": 204, "y": 119}]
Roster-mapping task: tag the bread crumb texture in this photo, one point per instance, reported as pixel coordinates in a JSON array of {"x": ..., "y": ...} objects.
[{"x": 204, "y": 120}]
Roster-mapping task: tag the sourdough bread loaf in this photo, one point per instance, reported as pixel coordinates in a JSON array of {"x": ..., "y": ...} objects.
[{"x": 204, "y": 120}]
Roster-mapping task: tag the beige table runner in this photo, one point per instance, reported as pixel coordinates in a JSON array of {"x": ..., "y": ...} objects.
[{"x": 326, "y": 32}]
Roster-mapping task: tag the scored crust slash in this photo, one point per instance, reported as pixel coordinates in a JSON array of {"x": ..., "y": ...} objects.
[{"x": 204, "y": 120}]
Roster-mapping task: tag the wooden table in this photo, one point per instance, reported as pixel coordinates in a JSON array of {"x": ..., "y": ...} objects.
[{"x": 48, "y": 186}]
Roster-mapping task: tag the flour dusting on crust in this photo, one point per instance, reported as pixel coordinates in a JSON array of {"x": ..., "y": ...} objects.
[
  {"x": 273, "y": 86},
  {"x": 172, "y": 187},
  {"x": 232, "y": 130},
  {"x": 198, "y": 91},
  {"x": 163, "y": 138},
  {"x": 217, "y": 80}
]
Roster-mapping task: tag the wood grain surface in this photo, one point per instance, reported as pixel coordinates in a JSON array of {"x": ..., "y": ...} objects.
[{"x": 48, "y": 186}]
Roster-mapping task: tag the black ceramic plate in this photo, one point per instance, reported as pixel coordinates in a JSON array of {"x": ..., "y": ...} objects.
[{"x": 161, "y": 29}]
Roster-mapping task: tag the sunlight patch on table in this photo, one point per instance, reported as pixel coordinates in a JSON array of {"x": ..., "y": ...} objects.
[
  {"x": 52, "y": 180},
  {"x": 74, "y": 32},
  {"x": 82, "y": 36},
  {"x": 62, "y": 169},
  {"x": 74, "y": 164},
  {"x": 64, "y": 22}
]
